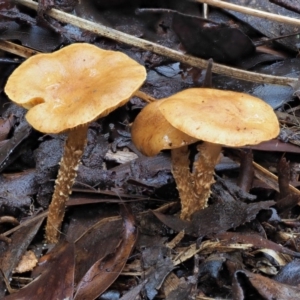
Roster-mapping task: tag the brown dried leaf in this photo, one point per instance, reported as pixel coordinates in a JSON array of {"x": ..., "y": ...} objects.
[
  {"x": 55, "y": 276},
  {"x": 103, "y": 237},
  {"x": 20, "y": 241},
  {"x": 287, "y": 203},
  {"x": 261, "y": 287},
  {"x": 105, "y": 271}
]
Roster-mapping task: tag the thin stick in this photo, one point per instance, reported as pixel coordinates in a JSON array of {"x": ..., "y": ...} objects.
[
  {"x": 270, "y": 178},
  {"x": 144, "y": 96},
  {"x": 17, "y": 49},
  {"x": 25, "y": 223},
  {"x": 251, "y": 11},
  {"x": 158, "y": 49}
]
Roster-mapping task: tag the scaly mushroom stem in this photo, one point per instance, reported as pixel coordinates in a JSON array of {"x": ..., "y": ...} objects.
[
  {"x": 203, "y": 173},
  {"x": 194, "y": 188},
  {"x": 69, "y": 163},
  {"x": 183, "y": 179}
]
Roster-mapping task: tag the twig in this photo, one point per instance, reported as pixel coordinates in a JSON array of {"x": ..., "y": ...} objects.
[
  {"x": 144, "y": 96},
  {"x": 158, "y": 49},
  {"x": 251, "y": 11},
  {"x": 270, "y": 178},
  {"x": 25, "y": 223},
  {"x": 140, "y": 11},
  {"x": 16, "y": 49}
]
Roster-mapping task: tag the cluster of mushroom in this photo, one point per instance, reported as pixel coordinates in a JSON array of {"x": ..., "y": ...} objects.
[
  {"x": 66, "y": 90},
  {"x": 212, "y": 116}
]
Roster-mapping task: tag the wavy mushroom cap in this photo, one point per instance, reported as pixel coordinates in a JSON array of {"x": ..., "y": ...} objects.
[
  {"x": 73, "y": 86},
  {"x": 221, "y": 117},
  {"x": 151, "y": 132}
]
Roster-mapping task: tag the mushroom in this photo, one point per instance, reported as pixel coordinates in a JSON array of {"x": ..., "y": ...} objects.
[
  {"x": 64, "y": 92},
  {"x": 213, "y": 116}
]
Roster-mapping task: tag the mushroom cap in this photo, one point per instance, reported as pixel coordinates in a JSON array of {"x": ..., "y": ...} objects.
[
  {"x": 151, "y": 132},
  {"x": 73, "y": 86},
  {"x": 221, "y": 117},
  {"x": 216, "y": 116}
]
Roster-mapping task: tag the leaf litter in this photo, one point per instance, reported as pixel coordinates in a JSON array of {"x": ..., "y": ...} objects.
[{"x": 244, "y": 243}]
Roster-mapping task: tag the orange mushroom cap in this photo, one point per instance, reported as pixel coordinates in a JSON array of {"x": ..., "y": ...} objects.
[
  {"x": 73, "y": 86},
  {"x": 221, "y": 117},
  {"x": 215, "y": 116},
  {"x": 151, "y": 132}
]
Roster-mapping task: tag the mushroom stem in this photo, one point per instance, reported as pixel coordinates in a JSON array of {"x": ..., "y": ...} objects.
[
  {"x": 183, "y": 178},
  {"x": 203, "y": 171},
  {"x": 194, "y": 188},
  {"x": 69, "y": 163}
]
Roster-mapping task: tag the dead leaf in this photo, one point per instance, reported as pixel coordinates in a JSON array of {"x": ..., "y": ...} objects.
[
  {"x": 289, "y": 274},
  {"x": 216, "y": 218},
  {"x": 9, "y": 150},
  {"x": 133, "y": 293},
  {"x": 103, "y": 237},
  {"x": 267, "y": 27},
  {"x": 105, "y": 271},
  {"x": 20, "y": 241},
  {"x": 5, "y": 126},
  {"x": 207, "y": 39},
  {"x": 54, "y": 278},
  {"x": 16, "y": 189},
  {"x": 158, "y": 265},
  {"x": 261, "y": 287}
]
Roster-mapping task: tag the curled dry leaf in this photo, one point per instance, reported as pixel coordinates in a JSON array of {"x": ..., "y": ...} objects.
[{"x": 262, "y": 287}]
